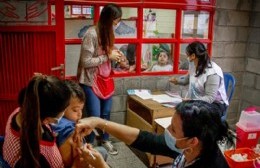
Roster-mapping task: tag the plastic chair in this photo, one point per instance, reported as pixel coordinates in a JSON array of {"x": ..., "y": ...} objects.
[{"x": 230, "y": 83}]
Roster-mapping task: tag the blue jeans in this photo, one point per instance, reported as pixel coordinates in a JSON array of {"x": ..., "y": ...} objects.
[{"x": 97, "y": 107}]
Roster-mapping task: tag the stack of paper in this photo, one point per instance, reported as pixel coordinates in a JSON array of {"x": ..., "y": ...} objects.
[
  {"x": 164, "y": 122},
  {"x": 163, "y": 98},
  {"x": 142, "y": 93}
]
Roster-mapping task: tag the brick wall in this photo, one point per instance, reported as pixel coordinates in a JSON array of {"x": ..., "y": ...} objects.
[
  {"x": 231, "y": 30},
  {"x": 251, "y": 80}
]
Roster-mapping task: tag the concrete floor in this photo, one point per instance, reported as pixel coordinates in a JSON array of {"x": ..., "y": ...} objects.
[{"x": 127, "y": 159}]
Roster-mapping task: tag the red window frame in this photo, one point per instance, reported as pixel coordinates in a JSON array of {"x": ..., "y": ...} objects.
[{"x": 178, "y": 5}]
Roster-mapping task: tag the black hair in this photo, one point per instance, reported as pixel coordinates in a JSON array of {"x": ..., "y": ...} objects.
[
  {"x": 76, "y": 90},
  {"x": 21, "y": 95},
  {"x": 202, "y": 120},
  {"x": 45, "y": 96},
  {"x": 130, "y": 53},
  {"x": 106, "y": 36},
  {"x": 201, "y": 53}
]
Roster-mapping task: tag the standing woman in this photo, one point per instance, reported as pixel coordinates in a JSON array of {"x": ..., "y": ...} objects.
[
  {"x": 205, "y": 77},
  {"x": 29, "y": 140},
  {"x": 94, "y": 67}
]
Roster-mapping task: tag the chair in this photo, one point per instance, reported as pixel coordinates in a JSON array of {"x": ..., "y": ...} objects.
[{"x": 230, "y": 82}]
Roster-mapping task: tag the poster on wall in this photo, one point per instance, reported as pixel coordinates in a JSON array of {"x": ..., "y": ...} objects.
[
  {"x": 203, "y": 20},
  {"x": 188, "y": 23},
  {"x": 150, "y": 24},
  {"x": 76, "y": 10}
]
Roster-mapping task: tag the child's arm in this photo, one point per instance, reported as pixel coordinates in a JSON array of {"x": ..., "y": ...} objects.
[{"x": 68, "y": 151}]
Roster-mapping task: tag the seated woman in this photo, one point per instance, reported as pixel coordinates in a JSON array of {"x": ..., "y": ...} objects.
[
  {"x": 205, "y": 77},
  {"x": 191, "y": 139}
]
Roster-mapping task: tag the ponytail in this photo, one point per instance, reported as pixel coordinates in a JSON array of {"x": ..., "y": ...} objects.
[
  {"x": 45, "y": 96},
  {"x": 201, "y": 53},
  {"x": 31, "y": 126}
]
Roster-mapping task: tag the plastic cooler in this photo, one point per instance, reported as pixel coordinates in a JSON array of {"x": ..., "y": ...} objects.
[
  {"x": 251, "y": 161},
  {"x": 248, "y": 129}
]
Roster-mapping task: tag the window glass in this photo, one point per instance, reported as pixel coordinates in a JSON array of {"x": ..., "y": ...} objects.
[
  {"x": 159, "y": 23},
  {"x": 157, "y": 57},
  {"x": 53, "y": 14},
  {"x": 78, "y": 18},
  {"x": 183, "y": 61},
  {"x": 72, "y": 53},
  {"x": 126, "y": 28},
  {"x": 128, "y": 61},
  {"x": 78, "y": 11},
  {"x": 195, "y": 24}
]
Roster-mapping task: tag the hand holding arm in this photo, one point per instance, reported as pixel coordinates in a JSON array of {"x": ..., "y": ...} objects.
[{"x": 122, "y": 132}]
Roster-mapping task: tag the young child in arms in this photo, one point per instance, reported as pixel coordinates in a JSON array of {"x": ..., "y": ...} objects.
[{"x": 65, "y": 127}]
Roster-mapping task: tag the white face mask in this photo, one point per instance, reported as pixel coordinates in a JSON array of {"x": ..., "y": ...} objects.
[
  {"x": 171, "y": 141},
  {"x": 116, "y": 26},
  {"x": 189, "y": 60},
  {"x": 57, "y": 120}
]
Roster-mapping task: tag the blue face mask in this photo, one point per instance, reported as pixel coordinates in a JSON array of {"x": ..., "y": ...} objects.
[{"x": 171, "y": 141}]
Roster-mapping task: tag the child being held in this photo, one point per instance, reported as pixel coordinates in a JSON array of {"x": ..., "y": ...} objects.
[{"x": 65, "y": 128}]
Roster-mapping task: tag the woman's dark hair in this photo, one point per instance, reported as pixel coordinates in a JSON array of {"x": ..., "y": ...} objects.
[
  {"x": 45, "y": 96},
  {"x": 21, "y": 95},
  {"x": 106, "y": 36},
  {"x": 76, "y": 90},
  {"x": 202, "y": 120},
  {"x": 131, "y": 53},
  {"x": 201, "y": 53}
]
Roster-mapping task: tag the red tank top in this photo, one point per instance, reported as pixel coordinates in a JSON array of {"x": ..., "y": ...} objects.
[{"x": 11, "y": 147}]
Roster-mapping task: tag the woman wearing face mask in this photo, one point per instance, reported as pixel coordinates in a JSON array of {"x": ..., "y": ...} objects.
[
  {"x": 205, "y": 78},
  {"x": 94, "y": 68},
  {"x": 191, "y": 139},
  {"x": 29, "y": 139}
]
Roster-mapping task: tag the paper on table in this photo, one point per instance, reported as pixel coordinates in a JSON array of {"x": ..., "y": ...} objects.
[
  {"x": 144, "y": 94},
  {"x": 163, "y": 98},
  {"x": 173, "y": 94},
  {"x": 164, "y": 122}
]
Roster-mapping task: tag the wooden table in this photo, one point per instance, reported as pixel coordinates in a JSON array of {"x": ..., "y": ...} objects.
[{"x": 142, "y": 114}]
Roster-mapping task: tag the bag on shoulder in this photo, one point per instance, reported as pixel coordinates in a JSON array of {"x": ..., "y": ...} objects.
[{"x": 103, "y": 87}]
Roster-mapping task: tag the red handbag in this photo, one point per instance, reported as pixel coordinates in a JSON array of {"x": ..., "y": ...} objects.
[{"x": 103, "y": 87}]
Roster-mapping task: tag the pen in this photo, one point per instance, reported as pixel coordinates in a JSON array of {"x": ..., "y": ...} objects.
[
  {"x": 91, "y": 154},
  {"x": 95, "y": 132}
]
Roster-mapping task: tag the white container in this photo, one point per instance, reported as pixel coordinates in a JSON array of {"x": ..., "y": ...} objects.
[{"x": 249, "y": 120}]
